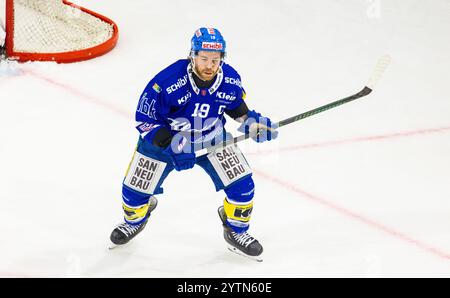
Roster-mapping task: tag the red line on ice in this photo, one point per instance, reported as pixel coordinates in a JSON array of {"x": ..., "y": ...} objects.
[
  {"x": 99, "y": 102},
  {"x": 355, "y": 216},
  {"x": 358, "y": 139}
]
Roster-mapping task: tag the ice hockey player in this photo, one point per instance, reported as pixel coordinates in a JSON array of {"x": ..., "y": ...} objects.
[{"x": 179, "y": 112}]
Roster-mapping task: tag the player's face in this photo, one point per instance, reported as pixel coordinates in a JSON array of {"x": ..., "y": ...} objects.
[{"x": 207, "y": 64}]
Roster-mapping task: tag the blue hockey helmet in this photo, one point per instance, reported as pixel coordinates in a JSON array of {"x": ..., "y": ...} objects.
[{"x": 208, "y": 39}]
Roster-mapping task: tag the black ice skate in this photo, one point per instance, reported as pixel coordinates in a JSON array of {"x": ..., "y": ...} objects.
[
  {"x": 124, "y": 232},
  {"x": 242, "y": 243}
]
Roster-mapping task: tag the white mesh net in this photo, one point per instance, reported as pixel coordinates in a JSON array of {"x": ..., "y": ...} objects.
[
  {"x": 49, "y": 26},
  {"x": 2, "y": 23}
]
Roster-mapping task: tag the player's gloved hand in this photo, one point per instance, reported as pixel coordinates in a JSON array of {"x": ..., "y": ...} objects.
[
  {"x": 181, "y": 160},
  {"x": 260, "y": 128}
]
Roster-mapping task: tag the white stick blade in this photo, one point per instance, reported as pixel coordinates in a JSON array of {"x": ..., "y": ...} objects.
[{"x": 380, "y": 67}]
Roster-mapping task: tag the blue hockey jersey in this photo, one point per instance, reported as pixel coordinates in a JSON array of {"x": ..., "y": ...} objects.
[{"x": 173, "y": 100}]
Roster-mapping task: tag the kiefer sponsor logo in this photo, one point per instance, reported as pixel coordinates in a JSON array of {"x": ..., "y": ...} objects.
[
  {"x": 233, "y": 81},
  {"x": 185, "y": 98},
  {"x": 180, "y": 83},
  {"x": 223, "y": 95},
  {"x": 212, "y": 46}
]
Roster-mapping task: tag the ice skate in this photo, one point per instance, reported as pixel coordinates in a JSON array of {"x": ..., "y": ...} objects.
[
  {"x": 124, "y": 232},
  {"x": 240, "y": 243}
]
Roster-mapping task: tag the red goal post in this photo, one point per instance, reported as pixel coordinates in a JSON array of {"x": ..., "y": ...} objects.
[{"x": 56, "y": 30}]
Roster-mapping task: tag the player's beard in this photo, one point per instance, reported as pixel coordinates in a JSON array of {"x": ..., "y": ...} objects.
[
  {"x": 208, "y": 75},
  {"x": 200, "y": 73}
]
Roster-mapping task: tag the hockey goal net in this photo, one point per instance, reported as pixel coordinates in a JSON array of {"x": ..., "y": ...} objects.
[{"x": 55, "y": 30}]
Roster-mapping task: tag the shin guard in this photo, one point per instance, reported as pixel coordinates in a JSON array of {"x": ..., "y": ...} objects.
[{"x": 238, "y": 205}]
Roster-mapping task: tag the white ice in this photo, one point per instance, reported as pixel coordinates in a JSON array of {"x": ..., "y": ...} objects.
[{"x": 362, "y": 190}]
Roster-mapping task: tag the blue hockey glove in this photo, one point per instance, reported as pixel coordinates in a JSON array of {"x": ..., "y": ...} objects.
[
  {"x": 260, "y": 128},
  {"x": 180, "y": 160}
]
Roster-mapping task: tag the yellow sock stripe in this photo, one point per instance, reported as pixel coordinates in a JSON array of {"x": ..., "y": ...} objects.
[
  {"x": 238, "y": 212},
  {"x": 134, "y": 213}
]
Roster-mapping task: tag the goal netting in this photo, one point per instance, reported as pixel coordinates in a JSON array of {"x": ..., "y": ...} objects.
[{"x": 55, "y": 30}]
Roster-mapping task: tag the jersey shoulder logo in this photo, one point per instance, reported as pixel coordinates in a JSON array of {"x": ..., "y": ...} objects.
[
  {"x": 156, "y": 88},
  {"x": 177, "y": 85},
  {"x": 233, "y": 81}
]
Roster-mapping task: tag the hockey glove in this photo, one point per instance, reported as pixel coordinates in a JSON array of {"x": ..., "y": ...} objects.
[
  {"x": 181, "y": 160},
  {"x": 260, "y": 128}
]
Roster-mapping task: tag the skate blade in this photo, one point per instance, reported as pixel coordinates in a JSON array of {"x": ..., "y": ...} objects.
[
  {"x": 112, "y": 246},
  {"x": 237, "y": 251}
]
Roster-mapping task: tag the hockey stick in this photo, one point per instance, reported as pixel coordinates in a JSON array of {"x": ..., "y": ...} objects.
[{"x": 380, "y": 67}]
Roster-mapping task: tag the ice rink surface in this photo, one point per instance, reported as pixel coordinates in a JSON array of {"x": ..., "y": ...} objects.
[{"x": 362, "y": 190}]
